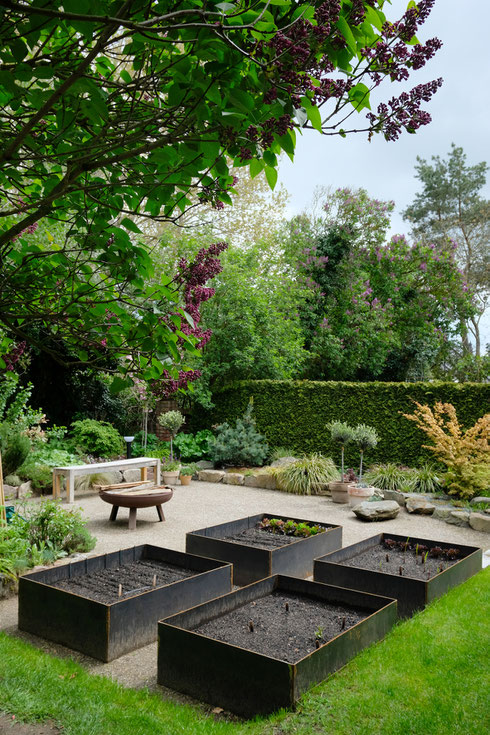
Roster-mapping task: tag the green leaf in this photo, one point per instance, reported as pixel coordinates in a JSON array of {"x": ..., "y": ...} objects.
[
  {"x": 315, "y": 118},
  {"x": 345, "y": 30},
  {"x": 359, "y": 97},
  {"x": 130, "y": 225},
  {"x": 271, "y": 176},
  {"x": 256, "y": 166},
  {"x": 118, "y": 384}
]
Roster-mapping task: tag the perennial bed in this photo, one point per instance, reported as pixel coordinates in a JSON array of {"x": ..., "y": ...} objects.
[
  {"x": 110, "y": 604},
  {"x": 257, "y": 552},
  {"x": 259, "y": 648},
  {"x": 414, "y": 571}
]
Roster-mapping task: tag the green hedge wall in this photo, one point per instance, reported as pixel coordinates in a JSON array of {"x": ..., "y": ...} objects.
[{"x": 293, "y": 414}]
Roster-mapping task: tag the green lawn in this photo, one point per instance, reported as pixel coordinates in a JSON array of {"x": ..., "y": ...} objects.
[{"x": 428, "y": 677}]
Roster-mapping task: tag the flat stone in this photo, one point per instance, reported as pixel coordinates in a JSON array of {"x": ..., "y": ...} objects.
[
  {"x": 480, "y": 522},
  {"x": 233, "y": 478},
  {"x": 395, "y": 495},
  {"x": 420, "y": 506},
  {"x": 203, "y": 464},
  {"x": 284, "y": 461},
  {"x": 480, "y": 499},
  {"x": 442, "y": 512},
  {"x": 211, "y": 475},
  {"x": 129, "y": 476},
  {"x": 263, "y": 480},
  {"x": 382, "y": 510},
  {"x": 24, "y": 489},
  {"x": 458, "y": 518}
]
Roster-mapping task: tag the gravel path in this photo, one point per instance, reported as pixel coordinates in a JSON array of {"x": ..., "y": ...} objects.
[{"x": 203, "y": 504}]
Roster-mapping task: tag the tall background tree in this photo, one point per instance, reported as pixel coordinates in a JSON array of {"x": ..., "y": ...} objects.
[
  {"x": 450, "y": 208},
  {"x": 111, "y": 111}
]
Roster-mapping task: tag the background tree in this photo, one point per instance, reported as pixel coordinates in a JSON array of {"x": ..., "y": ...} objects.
[
  {"x": 116, "y": 110},
  {"x": 450, "y": 207}
]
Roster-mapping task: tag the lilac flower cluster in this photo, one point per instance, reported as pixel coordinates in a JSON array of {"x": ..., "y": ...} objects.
[
  {"x": 12, "y": 357},
  {"x": 404, "y": 112}
]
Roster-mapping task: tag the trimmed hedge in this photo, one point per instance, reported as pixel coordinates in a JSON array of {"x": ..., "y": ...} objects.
[{"x": 293, "y": 413}]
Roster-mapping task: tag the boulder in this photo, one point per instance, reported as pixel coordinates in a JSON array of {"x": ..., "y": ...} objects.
[
  {"x": 263, "y": 480},
  {"x": 211, "y": 475},
  {"x": 284, "y": 461},
  {"x": 128, "y": 476},
  {"x": 382, "y": 510},
  {"x": 442, "y": 512},
  {"x": 233, "y": 478},
  {"x": 24, "y": 489},
  {"x": 395, "y": 495},
  {"x": 458, "y": 518},
  {"x": 10, "y": 491},
  {"x": 203, "y": 464},
  {"x": 420, "y": 506},
  {"x": 480, "y": 522}
]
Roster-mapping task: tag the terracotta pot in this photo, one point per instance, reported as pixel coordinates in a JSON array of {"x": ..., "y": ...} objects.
[
  {"x": 339, "y": 491},
  {"x": 170, "y": 478},
  {"x": 359, "y": 494},
  {"x": 185, "y": 479}
]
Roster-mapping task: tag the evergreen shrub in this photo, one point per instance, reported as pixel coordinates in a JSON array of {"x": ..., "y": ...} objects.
[
  {"x": 240, "y": 444},
  {"x": 294, "y": 413}
]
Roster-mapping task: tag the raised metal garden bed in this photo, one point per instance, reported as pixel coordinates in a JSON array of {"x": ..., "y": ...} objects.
[
  {"x": 106, "y": 630},
  {"x": 251, "y": 563},
  {"x": 411, "y": 593},
  {"x": 249, "y": 682}
]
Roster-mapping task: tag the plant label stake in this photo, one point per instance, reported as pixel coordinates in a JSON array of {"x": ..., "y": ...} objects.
[{"x": 119, "y": 592}]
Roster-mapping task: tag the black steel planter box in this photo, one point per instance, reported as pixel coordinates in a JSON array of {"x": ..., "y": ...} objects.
[
  {"x": 412, "y": 594},
  {"x": 106, "y": 631},
  {"x": 250, "y": 683},
  {"x": 251, "y": 563}
]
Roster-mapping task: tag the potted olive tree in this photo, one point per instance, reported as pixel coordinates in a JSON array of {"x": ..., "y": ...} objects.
[
  {"x": 342, "y": 434},
  {"x": 364, "y": 437},
  {"x": 172, "y": 421}
]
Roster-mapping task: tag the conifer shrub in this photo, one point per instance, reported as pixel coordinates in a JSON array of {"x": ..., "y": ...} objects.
[{"x": 240, "y": 444}]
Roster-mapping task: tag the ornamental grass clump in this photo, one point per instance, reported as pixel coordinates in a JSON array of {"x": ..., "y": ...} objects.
[
  {"x": 306, "y": 475},
  {"x": 466, "y": 454},
  {"x": 391, "y": 476}
]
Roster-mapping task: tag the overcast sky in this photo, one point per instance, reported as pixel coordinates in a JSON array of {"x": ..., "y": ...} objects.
[{"x": 460, "y": 113}]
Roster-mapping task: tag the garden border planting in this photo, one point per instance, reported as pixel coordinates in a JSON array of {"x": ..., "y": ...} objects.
[
  {"x": 412, "y": 594},
  {"x": 251, "y": 563},
  {"x": 106, "y": 631},
  {"x": 250, "y": 683}
]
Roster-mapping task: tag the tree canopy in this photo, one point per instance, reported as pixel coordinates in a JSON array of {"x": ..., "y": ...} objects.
[{"x": 116, "y": 109}]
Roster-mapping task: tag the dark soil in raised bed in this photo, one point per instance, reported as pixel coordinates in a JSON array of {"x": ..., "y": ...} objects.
[
  {"x": 262, "y": 538},
  {"x": 136, "y": 577},
  {"x": 283, "y": 626},
  {"x": 414, "y": 562}
]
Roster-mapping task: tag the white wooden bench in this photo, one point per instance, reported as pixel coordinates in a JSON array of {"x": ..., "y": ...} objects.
[{"x": 70, "y": 473}]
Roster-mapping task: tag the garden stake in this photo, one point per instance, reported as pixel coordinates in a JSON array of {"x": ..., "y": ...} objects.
[
  {"x": 251, "y": 626},
  {"x": 400, "y": 571},
  {"x": 287, "y": 606},
  {"x": 317, "y": 643},
  {"x": 119, "y": 592},
  {"x": 154, "y": 580},
  {"x": 343, "y": 623}
]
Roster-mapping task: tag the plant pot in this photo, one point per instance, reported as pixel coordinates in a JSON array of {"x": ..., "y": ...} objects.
[
  {"x": 170, "y": 478},
  {"x": 359, "y": 494},
  {"x": 185, "y": 479},
  {"x": 245, "y": 681},
  {"x": 339, "y": 491}
]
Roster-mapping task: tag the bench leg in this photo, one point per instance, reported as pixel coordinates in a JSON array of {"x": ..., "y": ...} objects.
[
  {"x": 132, "y": 519},
  {"x": 160, "y": 512},
  {"x": 144, "y": 473},
  {"x": 114, "y": 510}
]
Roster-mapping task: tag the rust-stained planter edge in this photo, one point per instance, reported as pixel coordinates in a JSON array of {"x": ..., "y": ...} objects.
[
  {"x": 250, "y": 563},
  {"x": 106, "y": 631},
  {"x": 250, "y": 683},
  {"x": 412, "y": 594}
]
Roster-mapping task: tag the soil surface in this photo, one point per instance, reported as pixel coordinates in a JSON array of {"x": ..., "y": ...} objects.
[
  {"x": 409, "y": 563},
  {"x": 281, "y": 625},
  {"x": 262, "y": 538},
  {"x": 135, "y": 578},
  {"x": 11, "y": 726}
]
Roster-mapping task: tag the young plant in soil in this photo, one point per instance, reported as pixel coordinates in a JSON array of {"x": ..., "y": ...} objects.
[{"x": 289, "y": 527}]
